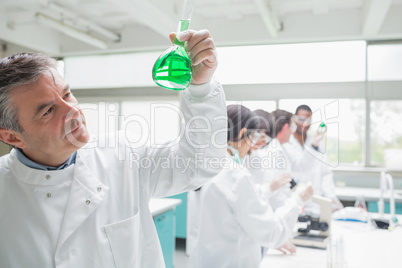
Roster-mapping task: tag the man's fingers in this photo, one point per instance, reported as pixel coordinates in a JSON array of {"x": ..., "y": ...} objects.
[
  {"x": 207, "y": 55},
  {"x": 283, "y": 251},
  {"x": 195, "y": 38},
  {"x": 172, "y": 36}
]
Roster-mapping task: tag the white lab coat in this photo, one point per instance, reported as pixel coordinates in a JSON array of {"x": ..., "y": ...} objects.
[
  {"x": 264, "y": 165},
  {"x": 235, "y": 222},
  {"x": 193, "y": 219},
  {"x": 310, "y": 165},
  {"x": 95, "y": 213}
]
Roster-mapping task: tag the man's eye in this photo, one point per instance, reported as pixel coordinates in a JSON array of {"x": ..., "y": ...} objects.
[
  {"x": 67, "y": 95},
  {"x": 48, "y": 111}
]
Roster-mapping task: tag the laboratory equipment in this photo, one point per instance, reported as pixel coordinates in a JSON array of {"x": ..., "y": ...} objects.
[
  {"x": 382, "y": 221},
  {"x": 360, "y": 203},
  {"x": 316, "y": 230},
  {"x": 322, "y": 128},
  {"x": 173, "y": 69},
  {"x": 356, "y": 214},
  {"x": 293, "y": 183},
  {"x": 336, "y": 252}
]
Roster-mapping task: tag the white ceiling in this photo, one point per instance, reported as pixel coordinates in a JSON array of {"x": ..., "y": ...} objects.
[{"x": 138, "y": 25}]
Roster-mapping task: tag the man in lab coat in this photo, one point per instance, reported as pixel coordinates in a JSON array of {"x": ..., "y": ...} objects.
[
  {"x": 307, "y": 159},
  {"x": 279, "y": 166},
  {"x": 66, "y": 200}
]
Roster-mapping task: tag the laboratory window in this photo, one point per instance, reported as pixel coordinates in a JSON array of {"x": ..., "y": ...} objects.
[
  {"x": 384, "y": 62},
  {"x": 101, "y": 117},
  {"x": 386, "y": 133},
  {"x": 268, "y": 106},
  {"x": 345, "y": 119},
  {"x": 150, "y": 121},
  {"x": 293, "y": 63}
]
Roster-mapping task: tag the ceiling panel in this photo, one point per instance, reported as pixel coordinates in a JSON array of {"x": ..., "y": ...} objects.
[{"x": 145, "y": 24}]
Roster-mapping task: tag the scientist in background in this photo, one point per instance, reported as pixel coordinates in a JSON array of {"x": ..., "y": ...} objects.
[
  {"x": 67, "y": 202},
  {"x": 260, "y": 162},
  {"x": 234, "y": 221},
  {"x": 307, "y": 159},
  {"x": 268, "y": 181},
  {"x": 274, "y": 164}
]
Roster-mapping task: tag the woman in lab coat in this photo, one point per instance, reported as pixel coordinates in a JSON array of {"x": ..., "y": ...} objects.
[{"x": 234, "y": 221}]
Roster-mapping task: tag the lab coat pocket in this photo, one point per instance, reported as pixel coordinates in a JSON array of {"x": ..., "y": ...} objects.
[{"x": 123, "y": 239}]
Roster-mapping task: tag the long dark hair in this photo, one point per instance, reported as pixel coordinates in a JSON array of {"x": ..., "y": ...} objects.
[
  {"x": 241, "y": 117},
  {"x": 267, "y": 122}
]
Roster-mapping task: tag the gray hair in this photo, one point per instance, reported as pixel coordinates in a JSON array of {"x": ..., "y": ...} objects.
[{"x": 19, "y": 70}]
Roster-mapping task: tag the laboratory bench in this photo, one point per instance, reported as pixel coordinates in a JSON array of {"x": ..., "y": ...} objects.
[
  {"x": 370, "y": 196},
  {"x": 163, "y": 211},
  {"x": 364, "y": 247}
]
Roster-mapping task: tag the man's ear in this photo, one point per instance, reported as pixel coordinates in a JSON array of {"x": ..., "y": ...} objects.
[{"x": 12, "y": 138}]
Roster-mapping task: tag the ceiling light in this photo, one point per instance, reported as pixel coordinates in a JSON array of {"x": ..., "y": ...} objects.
[{"x": 71, "y": 31}]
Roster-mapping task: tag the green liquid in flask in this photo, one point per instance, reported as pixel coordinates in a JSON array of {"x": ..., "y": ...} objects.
[
  {"x": 173, "y": 69},
  {"x": 322, "y": 128}
]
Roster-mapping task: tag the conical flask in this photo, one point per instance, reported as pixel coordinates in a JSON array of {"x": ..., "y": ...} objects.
[
  {"x": 173, "y": 69},
  {"x": 322, "y": 128}
]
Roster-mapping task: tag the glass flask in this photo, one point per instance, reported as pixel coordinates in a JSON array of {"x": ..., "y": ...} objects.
[
  {"x": 173, "y": 69},
  {"x": 322, "y": 128}
]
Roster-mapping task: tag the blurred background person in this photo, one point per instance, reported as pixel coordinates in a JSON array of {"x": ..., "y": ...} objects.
[
  {"x": 235, "y": 222},
  {"x": 308, "y": 159}
]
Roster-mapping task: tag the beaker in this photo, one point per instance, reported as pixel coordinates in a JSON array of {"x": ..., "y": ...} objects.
[
  {"x": 360, "y": 203},
  {"x": 173, "y": 69}
]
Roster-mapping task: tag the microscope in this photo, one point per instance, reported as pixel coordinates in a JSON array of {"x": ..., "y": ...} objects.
[{"x": 317, "y": 229}]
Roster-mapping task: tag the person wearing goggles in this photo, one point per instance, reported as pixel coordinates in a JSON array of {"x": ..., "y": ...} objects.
[
  {"x": 234, "y": 221},
  {"x": 306, "y": 153},
  {"x": 266, "y": 179},
  {"x": 273, "y": 185}
]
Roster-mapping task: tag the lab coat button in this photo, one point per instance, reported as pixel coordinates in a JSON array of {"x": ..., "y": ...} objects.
[
  {"x": 49, "y": 195},
  {"x": 88, "y": 202},
  {"x": 99, "y": 189},
  {"x": 48, "y": 177},
  {"x": 74, "y": 252}
]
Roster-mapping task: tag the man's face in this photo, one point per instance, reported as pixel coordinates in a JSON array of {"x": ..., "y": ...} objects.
[
  {"x": 290, "y": 129},
  {"x": 53, "y": 124},
  {"x": 303, "y": 121}
]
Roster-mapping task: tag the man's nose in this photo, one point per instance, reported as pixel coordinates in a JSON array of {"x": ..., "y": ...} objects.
[{"x": 72, "y": 111}]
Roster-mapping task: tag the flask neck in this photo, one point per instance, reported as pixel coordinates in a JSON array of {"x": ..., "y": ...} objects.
[{"x": 183, "y": 26}]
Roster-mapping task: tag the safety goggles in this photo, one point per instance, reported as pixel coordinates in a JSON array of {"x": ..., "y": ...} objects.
[
  {"x": 260, "y": 138},
  {"x": 254, "y": 136},
  {"x": 302, "y": 120},
  {"x": 265, "y": 137}
]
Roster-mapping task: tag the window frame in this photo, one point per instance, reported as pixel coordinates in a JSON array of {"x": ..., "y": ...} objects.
[{"x": 366, "y": 90}]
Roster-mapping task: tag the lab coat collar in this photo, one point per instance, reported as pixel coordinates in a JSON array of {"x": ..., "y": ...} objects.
[
  {"x": 275, "y": 144},
  {"x": 38, "y": 177},
  {"x": 296, "y": 144},
  {"x": 293, "y": 141},
  {"x": 86, "y": 194}
]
